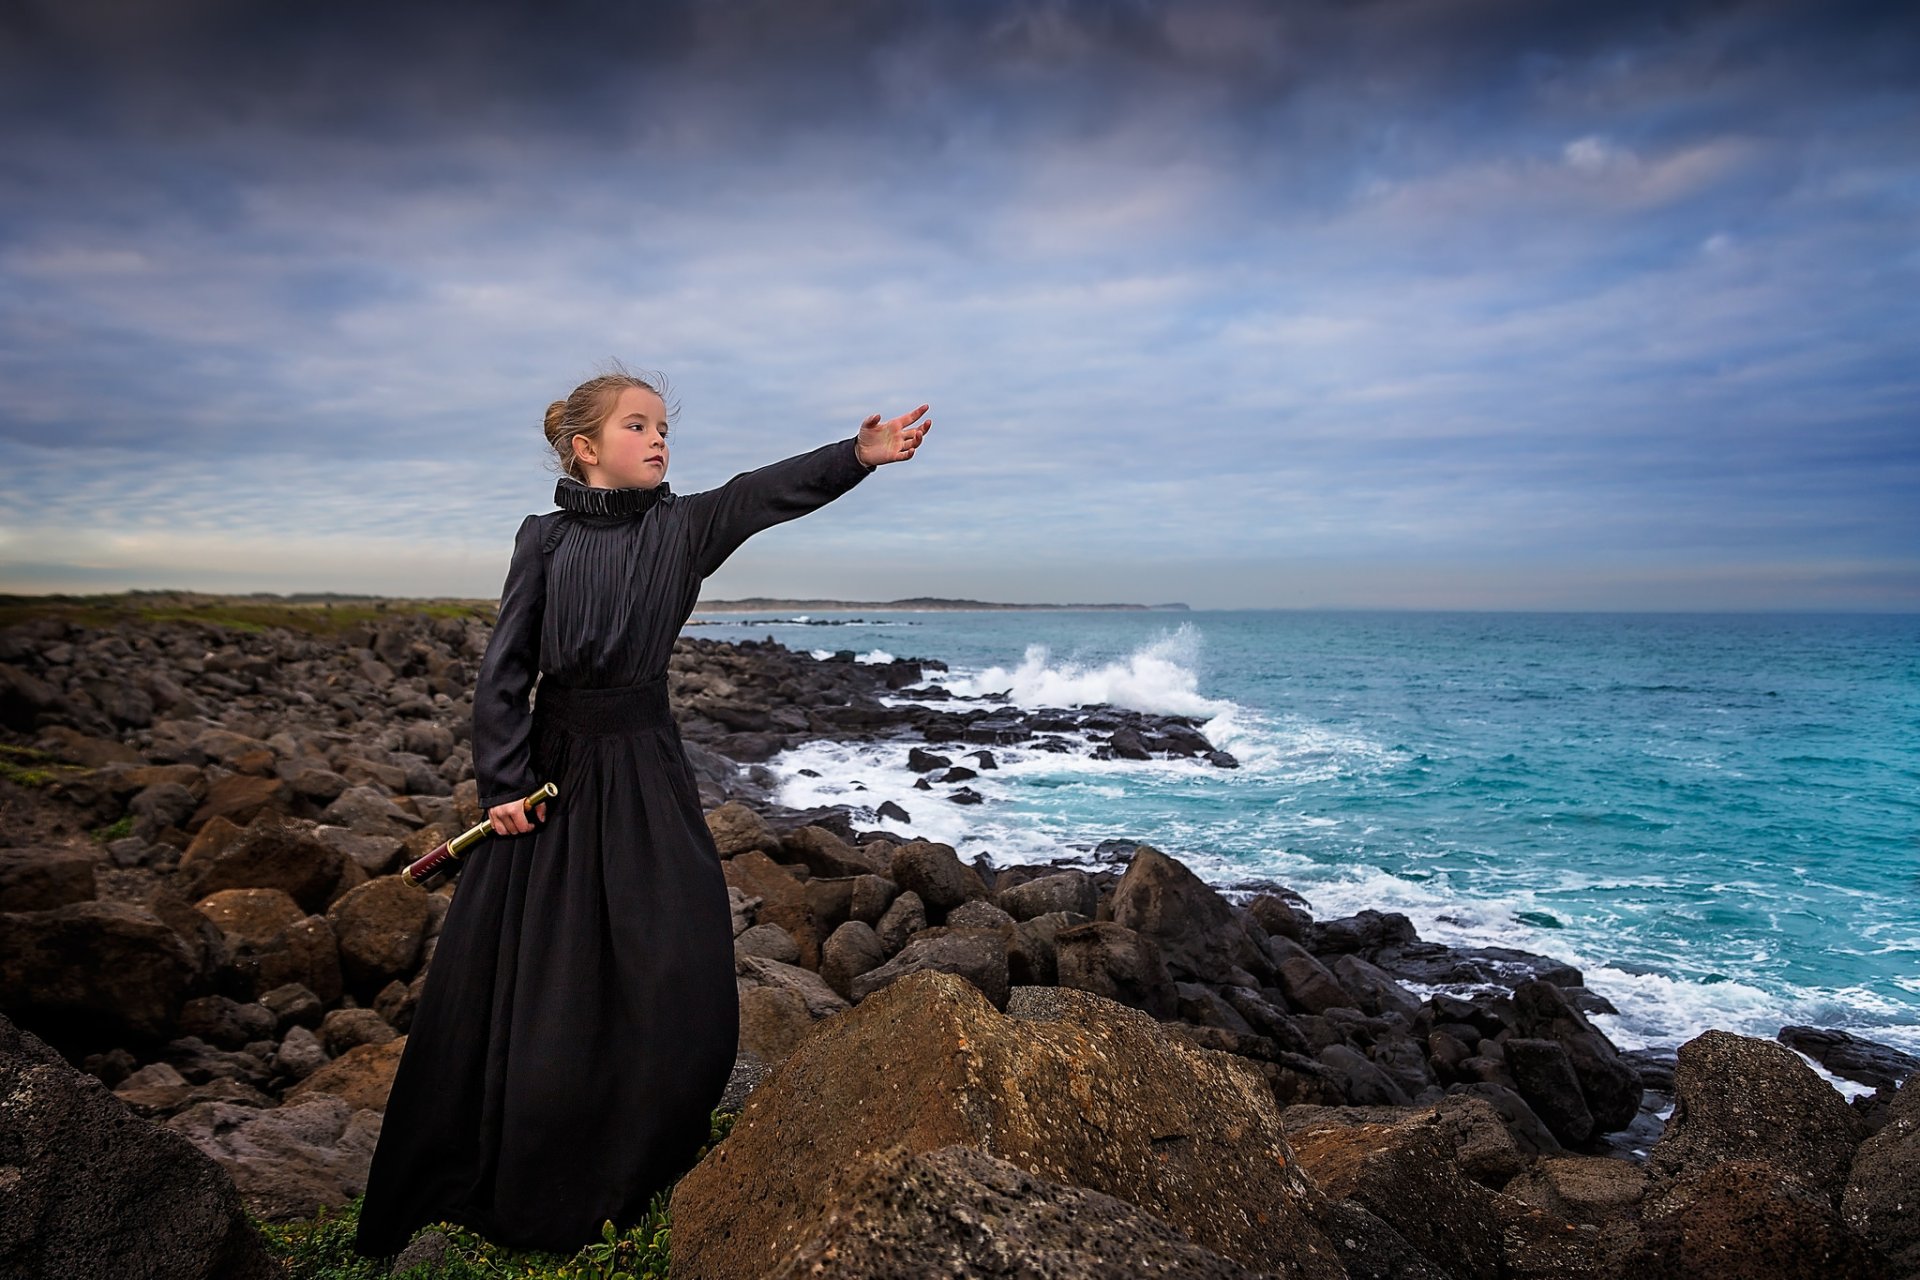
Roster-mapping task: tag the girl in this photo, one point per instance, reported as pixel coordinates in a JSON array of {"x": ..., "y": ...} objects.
[{"x": 579, "y": 1020}]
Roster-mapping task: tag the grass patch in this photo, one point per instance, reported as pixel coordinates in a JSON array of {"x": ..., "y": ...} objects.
[
  {"x": 321, "y": 1247},
  {"x": 233, "y": 613},
  {"x": 119, "y": 829}
]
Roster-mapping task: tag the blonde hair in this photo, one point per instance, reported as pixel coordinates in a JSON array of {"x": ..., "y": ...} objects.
[{"x": 584, "y": 410}]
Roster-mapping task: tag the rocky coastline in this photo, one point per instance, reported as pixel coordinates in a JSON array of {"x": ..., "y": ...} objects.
[{"x": 209, "y": 962}]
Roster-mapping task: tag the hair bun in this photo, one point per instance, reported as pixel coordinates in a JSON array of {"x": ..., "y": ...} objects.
[{"x": 556, "y": 416}]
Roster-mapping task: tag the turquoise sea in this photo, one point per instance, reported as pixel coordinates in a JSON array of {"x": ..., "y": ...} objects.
[{"x": 1716, "y": 816}]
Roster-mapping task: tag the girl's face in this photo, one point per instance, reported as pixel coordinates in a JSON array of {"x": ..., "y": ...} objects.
[{"x": 630, "y": 449}]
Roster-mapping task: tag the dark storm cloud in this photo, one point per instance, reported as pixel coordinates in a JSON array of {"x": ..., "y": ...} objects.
[{"x": 1485, "y": 282}]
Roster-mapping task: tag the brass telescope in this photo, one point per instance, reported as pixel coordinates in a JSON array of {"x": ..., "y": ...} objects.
[{"x": 445, "y": 856}]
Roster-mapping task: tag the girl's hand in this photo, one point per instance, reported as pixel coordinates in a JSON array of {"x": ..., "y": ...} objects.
[
  {"x": 891, "y": 441},
  {"x": 510, "y": 819}
]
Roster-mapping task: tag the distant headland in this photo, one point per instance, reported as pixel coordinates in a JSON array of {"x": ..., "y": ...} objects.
[{"x": 758, "y": 604}]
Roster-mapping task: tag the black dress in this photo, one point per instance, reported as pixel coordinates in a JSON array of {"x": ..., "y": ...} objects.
[{"x": 579, "y": 1020}]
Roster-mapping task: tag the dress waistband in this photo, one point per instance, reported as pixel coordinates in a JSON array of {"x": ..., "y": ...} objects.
[{"x": 610, "y": 709}]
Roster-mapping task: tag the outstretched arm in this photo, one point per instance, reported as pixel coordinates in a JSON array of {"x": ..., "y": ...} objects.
[
  {"x": 719, "y": 520},
  {"x": 502, "y": 723}
]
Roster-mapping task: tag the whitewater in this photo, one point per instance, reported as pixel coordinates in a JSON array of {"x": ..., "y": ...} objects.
[{"x": 1714, "y": 816}]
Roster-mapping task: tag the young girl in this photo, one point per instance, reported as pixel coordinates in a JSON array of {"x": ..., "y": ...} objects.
[{"x": 579, "y": 1020}]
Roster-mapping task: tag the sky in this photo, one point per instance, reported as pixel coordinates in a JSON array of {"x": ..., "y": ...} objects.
[{"x": 1437, "y": 304}]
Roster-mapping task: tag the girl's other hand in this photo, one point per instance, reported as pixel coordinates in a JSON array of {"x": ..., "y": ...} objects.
[
  {"x": 891, "y": 441},
  {"x": 510, "y": 819}
]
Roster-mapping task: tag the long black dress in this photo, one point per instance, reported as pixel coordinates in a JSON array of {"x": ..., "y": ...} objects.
[{"x": 579, "y": 1020}]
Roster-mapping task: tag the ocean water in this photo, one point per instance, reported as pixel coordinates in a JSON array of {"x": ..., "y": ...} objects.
[{"x": 1717, "y": 817}]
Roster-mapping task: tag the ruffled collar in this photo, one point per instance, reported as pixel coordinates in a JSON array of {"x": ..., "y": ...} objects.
[{"x": 628, "y": 500}]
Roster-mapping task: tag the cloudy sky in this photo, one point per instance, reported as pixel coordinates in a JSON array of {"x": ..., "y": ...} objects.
[{"x": 1449, "y": 303}]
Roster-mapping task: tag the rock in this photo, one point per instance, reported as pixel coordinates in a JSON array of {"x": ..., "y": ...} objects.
[
  {"x": 1525, "y": 1128},
  {"x": 978, "y": 955},
  {"x": 343, "y": 1029},
  {"x": 906, "y": 916},
  {"x": 291, "y": 1161},
  {"x": 1372, "y": 988},
  {"x": 94, "y": 972},
  {"x": 1067, "y": 891},
  {"x": 378, "y": 927},
  {"x": 979, "y": 913},
  {"x": 1307, "y": 983},
  {"x": 1032, "y": 950},
  {"x": 362, "y": 1076},
  {"x": 935, "y": 873},
  {"x": 1112, "y": 960},
  {"x": 1099, "y": 1098},
  {"x": 273, "y": 852},
  {"x": 1609, "y": 1083},
  {"x": 250, "y": 917},
  {"x": 1544, "y": 1076},
  {"x": 91, "y": 1189},
  {"x": 38, "y": 879},
  {"x": 738, "y": 829},
  {"x": 1402, "y": 1171},
  {"x": 303, "y": 953},
  {"x": 377, "y": 854},
  {"x": 1362, "y": 1082},
  {"x": 1882, "y": 1198},
  {"x": 1365, "y": 931},
  {"x": 817, "y": 998},
  {"x": 1877, "y": 1066},
  {"x": 853, "y": 949},
  {"x": 1594, "y": 1190},
  {"x": 240, "y": 798},
  {"x": 958, "y": 1211},
  {"x": 367, "y": 808},
  {"x": 300, "y": 1054},
  {"x": 1738, "y": 1219},
  {"x": 769, "y": 940},
  {"x": 1738, "y": 1098},
  {"x": 826, "y": 854},
  {"x": 1201, "y": 935},
  {"x": 1472, "y": 1132},
  {"x": 783, "y": 900},
  {"x": 226, "y": 1022}
]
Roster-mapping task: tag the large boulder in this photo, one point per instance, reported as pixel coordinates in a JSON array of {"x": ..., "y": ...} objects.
[
  {"x": 783, "y": 899},
  {"x": 289, "y": 1161},
  {"x": 35, "y": 879},
  {"x": 271, "y": 852},
  {"x": 1609, "y": 1083},
  {"x": 978, "y": 955},
  {"x": 379, "y": 927},
  {"x": 736, "y": 829},
  {"x": 960, "y": 1212},
  {"x": 1882, "y": 1200},
  {"x": 1200, "y": 934},
  {"x": 1084, "y": 1091},
  {"x": 1739, "y": 1098},
  {"x": 91, "y": 1189},
  {"x": 1401, "y": 1167},
  {"x": 1741, "y": 1219},
  {"x": 94, "y": 973},
  {"x": 249, "y": 918},
  {"x": 363, "y": 1076},
  {"x": 934, "y": 872},
  {"x": 1112, "y": 960}
]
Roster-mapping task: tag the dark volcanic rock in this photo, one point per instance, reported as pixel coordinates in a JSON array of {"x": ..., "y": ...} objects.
[
  {"x": 1610, "y": 1084},
  {"x": 1882, "y": 1200},
  {"x": 95, "y": 972},
  {"x": 93, "y": 1190},
  {"x": 1737, "y": 1098},
  {"x": 1878, "y": 1066},
  {"x": 958, "y": 1211}
]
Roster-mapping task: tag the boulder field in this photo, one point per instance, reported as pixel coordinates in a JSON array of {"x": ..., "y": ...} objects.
[{"x": 209, "y": 962}]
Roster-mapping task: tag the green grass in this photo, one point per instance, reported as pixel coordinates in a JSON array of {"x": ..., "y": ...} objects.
[
  {"x": 234, "y": 613},
  {"x": 321, "y": 1247},
  {"x": 33, "y": 768}
]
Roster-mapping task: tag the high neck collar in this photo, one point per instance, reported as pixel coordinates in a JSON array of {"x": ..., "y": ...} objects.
[{"x": 628, "y": 500}]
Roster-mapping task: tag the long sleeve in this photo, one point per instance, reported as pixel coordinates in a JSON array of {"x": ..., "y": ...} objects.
[
  {"x": 502, "y": 722},
  {"x": 723, "y": 518}
]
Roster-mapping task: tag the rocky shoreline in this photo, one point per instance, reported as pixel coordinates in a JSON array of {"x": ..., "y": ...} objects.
[{"x": 200, "y": 911}]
